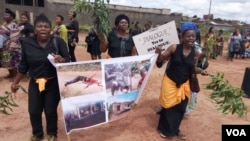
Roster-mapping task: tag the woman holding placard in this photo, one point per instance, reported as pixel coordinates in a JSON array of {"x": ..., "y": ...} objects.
[{"x": 175, "y": 91}]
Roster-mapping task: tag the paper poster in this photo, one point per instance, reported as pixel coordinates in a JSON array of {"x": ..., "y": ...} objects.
[
  {"x": 101, "y": 91},
  {"x": 164, "y": 35}
]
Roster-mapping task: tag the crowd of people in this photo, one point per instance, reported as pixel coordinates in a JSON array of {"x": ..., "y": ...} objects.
[{"x": 33, "y": 43}]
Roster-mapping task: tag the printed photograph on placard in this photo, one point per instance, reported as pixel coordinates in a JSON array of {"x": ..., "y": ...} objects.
[
  {"x": 80, "y": 79},
  {"x": 125, "y": 77},
  {"x": 83, "y": 111},
  {"x": 119, "y": 105}
]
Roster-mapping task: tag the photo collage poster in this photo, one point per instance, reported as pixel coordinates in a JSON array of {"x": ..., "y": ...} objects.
[{"x": 100, "y": 91}]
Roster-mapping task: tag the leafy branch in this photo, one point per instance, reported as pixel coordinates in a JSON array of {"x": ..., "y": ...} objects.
[
  {"x": 7, "y": 101},
  {"x": 99, "y": 11},
  {"x": 227, "y": 97}
]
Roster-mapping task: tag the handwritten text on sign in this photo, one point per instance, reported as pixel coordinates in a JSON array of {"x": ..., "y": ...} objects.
[{"x": 164, "y": 35}]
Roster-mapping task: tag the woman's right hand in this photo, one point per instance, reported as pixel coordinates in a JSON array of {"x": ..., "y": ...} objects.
[
  {"x": 14, "y": 87},
  {"x": 103, "y": 38},
  {"x": 158, "y": 49}
]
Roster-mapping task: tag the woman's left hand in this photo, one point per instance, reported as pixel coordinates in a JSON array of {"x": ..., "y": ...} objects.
[
  {"x": 203, "y": 72},
  {"x": 58, "y": 58}
]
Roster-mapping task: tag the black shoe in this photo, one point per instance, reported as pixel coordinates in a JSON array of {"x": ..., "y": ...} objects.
[{"x": 158, "y": 112}]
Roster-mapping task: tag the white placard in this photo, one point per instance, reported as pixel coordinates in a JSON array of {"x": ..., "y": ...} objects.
[{"x": 164, "y": 35}]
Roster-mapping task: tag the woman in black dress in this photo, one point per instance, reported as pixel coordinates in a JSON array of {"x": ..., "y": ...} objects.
[
  {"x": 43, "y": 92},
  {"x": 26, "y": 29},
  {"x": 119, "y": 42},
  {"x": 73, "y": 30},
  {"x": 93, "y": 43}
]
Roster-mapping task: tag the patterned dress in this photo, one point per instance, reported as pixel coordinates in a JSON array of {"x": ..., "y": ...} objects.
[{"x": 11, "y": 51}]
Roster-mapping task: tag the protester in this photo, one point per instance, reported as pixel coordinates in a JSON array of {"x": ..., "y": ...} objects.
[
  {"x": 43, "y": 86},
  {"x": 198, "y": 35},
  {"x": 60, "y": 29},
  {"x": 119, "y": 42},
  {"x": 93, "y": 43},
  {"x": 242, "y": 43},
  {"x": 234, "y": 44},
  {"x": 73, "y": 30},
  {"x": 202, "y": 65},
  {"x": 25, "y": 27},
  {"x": 220, "y": 43},
  {"x": 175, "y": 91},
  {"x": 11, "y": 51},
  {"x": 137, "y": 30},
  {"x": 147, "y": 25},
  {"x": 209, "y": 44}
]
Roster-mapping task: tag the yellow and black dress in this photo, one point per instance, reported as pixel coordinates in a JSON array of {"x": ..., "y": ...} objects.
[{"x": 175, "y": 91}]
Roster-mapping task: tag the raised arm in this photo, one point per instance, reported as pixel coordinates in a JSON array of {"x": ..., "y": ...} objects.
[
  {"x": 165, "y": 55},
  {"x": 104, "y": 43}
]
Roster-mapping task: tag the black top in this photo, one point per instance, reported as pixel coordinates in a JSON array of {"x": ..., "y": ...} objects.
[
  {"x": 34, "y": 57},
  {"x": 28, "y": 28},
  {"x": 119, "y": 47},
  {"x": 198, "y": 37},
  {"x": 136, "y": 32},
  {"x": 180, "y": 66},
  {"x": 73, "y": 25},
  {"x": 93, "y": 43}
]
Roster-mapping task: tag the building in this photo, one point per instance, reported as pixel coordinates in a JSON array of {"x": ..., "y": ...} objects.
[
  {"x": 222, "y": 26},
  {"x": 53, "y": 7},
  {"x": 208, "y": 17}
]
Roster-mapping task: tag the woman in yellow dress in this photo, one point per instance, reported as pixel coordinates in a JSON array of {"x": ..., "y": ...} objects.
[{"x": 175, "y": 91}]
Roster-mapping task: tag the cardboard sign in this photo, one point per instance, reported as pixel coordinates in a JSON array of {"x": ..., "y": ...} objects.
[{"x": 164, "y": 35}]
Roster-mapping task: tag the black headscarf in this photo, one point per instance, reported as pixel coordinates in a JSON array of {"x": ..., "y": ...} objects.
[
  {"x": 120, "y": 17},
  {"x": 8, "y": 11}
]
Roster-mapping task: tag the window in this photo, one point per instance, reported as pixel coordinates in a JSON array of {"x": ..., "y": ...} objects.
[
  {"x": 28, "y": 2},
  {"x": 38, "y": 3},
  {"x": 17, "y": 2}
]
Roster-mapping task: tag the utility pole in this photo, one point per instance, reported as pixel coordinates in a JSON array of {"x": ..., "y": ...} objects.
[{"x": 209, "y": 7}]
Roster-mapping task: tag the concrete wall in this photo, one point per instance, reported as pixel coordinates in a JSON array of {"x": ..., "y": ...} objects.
[{"x": 54, "y": 7}]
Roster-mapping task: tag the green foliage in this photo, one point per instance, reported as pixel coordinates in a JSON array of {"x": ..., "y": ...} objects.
[
  {"x": 7, "y": 102},
  {"x": 99, "y": 11},
  {"x": 101, "y": 17},
  {"x": 227, "y": 97},
  {"x": 82, "y": 6}
]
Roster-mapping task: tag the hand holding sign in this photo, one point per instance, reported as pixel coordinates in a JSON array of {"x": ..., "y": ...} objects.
[{"x": 158, "y": 50}]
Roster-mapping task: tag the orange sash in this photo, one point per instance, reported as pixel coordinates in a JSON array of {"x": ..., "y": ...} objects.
[{"x": 171, "y": 95}]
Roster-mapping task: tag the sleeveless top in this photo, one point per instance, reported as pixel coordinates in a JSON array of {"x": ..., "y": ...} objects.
[
  {"x": 119, "y": 47},
  {"x": 180, "y": 66}
]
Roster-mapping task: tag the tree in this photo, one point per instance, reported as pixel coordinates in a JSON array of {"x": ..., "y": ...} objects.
[{"x": 99, "y": 11}]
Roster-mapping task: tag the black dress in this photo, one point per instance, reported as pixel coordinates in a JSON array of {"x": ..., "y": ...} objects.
[
  {"x": 119, "y": 47},
  {"x": 93, "y": 43},
  {"x": 26, "y": 31}
]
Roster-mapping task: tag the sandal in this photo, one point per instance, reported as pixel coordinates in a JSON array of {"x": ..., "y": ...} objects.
[
  {"x": 164, "y": 136},
  {"x": 181, "y": 136}
]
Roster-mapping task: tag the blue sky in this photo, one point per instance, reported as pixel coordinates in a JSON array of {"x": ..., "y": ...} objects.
[{"x": 224, "y": 9}]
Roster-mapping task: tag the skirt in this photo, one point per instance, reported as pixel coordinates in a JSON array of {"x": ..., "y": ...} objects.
[{"x": 170, "y": 119}]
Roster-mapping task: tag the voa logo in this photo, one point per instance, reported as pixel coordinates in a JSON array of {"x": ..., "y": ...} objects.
[{"x": 236, "y": 132}]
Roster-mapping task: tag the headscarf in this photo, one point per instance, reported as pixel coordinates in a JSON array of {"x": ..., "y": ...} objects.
[
  {"x": 189, "y": 26},
  {"x": 120, "y": 17},
  {"x": 8, "y": 11}
]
